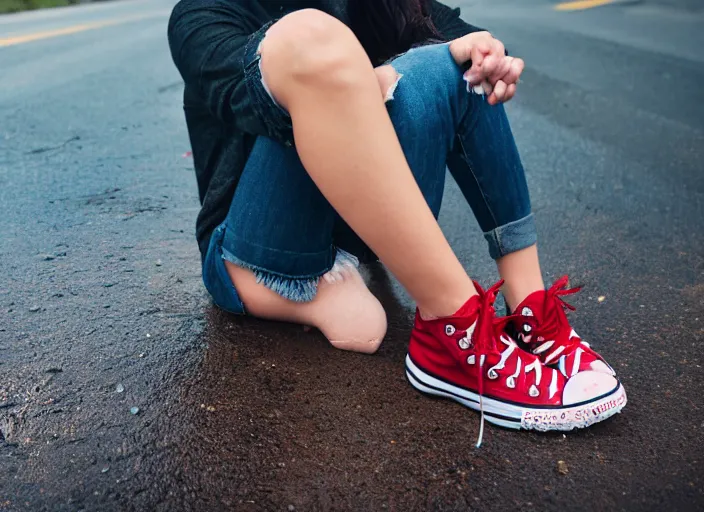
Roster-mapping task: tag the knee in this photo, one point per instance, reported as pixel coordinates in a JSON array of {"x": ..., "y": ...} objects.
[
  {"x": 431, "y": 69},
  {"x": 312, "y": 48},
  {"x": 432, "y": 83}
]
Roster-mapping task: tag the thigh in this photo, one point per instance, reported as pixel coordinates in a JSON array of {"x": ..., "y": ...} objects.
[
  {"x": 279, "y": 221},
  {"x": 279, "y": 225}
]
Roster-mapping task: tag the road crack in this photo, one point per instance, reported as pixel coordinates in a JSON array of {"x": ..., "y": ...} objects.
[{"x": 53, "y": 148}]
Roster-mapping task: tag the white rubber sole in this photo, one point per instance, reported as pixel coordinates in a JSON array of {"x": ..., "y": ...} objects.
[{"x": 516, "y": 416}]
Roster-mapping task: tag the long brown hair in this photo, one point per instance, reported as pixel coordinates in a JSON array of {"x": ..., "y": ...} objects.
[{"x": 389, "y": 27}]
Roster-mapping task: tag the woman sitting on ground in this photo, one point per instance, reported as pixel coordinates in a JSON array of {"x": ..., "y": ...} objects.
[{"x": 321, "y": 134}]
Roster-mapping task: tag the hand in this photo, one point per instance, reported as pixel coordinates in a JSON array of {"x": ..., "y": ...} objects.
[{"x": 491, "y": 68}]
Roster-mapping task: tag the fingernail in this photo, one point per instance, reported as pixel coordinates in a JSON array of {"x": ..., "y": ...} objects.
[{"x": 470, "y": 77}]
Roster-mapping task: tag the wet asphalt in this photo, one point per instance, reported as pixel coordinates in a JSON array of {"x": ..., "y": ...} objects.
[{"x": 123, "y": 388}]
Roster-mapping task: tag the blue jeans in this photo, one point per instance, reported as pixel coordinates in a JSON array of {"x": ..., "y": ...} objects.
[{"x": 281, "y": 227}]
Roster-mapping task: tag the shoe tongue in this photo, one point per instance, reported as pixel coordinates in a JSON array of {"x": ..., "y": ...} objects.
[
  {"x": 544, "y": 309},
  {"x": 468, "y": 313},
  {"x": 534, "y": 305}
]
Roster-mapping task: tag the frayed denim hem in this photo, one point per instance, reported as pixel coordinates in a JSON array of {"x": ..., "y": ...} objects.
[{"x": 296, "y": 289}]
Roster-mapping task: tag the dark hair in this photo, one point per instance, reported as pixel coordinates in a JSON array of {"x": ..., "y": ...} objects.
[{"x": 389, "y": 27}]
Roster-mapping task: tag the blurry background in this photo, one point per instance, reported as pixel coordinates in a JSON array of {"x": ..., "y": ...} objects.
[
  {"x": 122, "y": 388},
  {"x": 24, "y": 5}
]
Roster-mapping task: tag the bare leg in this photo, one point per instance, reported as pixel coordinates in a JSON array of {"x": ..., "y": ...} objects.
[
  {"x": 317, "y": 70},
  {"x": 521, "y": 271},
  {"x": 344, "y": 309}
]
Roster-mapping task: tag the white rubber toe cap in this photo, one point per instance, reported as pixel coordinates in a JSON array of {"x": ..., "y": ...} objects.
[
  {"x": 587, "y": 385},
  {"x": 601, "y": 366}
]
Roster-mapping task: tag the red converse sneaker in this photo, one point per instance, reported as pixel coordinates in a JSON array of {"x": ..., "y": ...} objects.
[
  {"x": 467, "y": 357},
  {"x": 542, "y": 326}
]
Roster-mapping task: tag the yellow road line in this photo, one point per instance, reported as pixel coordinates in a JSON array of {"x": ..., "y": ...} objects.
[
  {"x": 580, "y": 5},
  {"x": 27, "y": 38}
]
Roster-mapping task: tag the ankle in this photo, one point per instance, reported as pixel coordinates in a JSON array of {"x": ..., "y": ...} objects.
[
  {"x": 521, "y": 273},
  {"x": 515, "y": 293},
  {"x": 445, "y": 308}
]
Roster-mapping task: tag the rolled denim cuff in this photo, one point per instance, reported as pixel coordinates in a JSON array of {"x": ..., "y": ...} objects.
[{"x": 512, "y": 237}]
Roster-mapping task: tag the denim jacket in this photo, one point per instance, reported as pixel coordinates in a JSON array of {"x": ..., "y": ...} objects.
[{"x": 208, "y": 39}]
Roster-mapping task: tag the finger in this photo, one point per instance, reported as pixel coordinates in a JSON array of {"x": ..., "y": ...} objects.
[
  {"x": 488, "y": 88},
  {"x": 510, "y": 92},
  {"x": 514, "y": 72},
  {"x": 489, "y": 65},
  {"x": 500, "y": 90},
  {"x": 483, "y": 89},
  {"x": 475, "y": 75},
  {"x": 499, "y": 93},
  {"x": 499, "y": 52},
  {"x": 484, "y": 45},
  {"x": 501, "y": 70},
  {"x": 497, "y": 47},
  {"x": 461, "y": 48}
]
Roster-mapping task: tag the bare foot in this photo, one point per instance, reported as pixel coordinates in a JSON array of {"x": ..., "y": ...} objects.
[{"x": 344, "y": 309}]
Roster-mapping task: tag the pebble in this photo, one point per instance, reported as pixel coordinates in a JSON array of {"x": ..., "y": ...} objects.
[
  {"x": 562, "y": 467},
  {"x": 134, "y": 410},
  {"x": 47, "y": 257},
  {"x": 105, "y": 469},
  {"x": 119, "y": 388},
  {"x": 34, "y": 309},
  {"x": 158, "y": 263},
  {"x": 291, "y": 508}
]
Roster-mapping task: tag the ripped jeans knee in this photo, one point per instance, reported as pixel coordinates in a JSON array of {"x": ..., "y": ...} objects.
[{"x": 388, "y": 79}]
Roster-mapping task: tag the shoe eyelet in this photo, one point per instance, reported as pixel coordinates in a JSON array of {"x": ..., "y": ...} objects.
[
  {"x": 471, "y": 359},
  {"x": 527, "y": 328},
  {"x": 511, "y": 382},
  {"x": 464, "y": 343},
  {"x": 449, "y": 330},
  {"x": 526, "y": 311},
  {"x": 492, "y": 374},
  {"x": 533, "y": 391}
]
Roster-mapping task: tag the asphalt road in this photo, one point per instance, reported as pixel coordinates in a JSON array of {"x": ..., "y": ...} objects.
[{"x": 102, "y": 309}]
